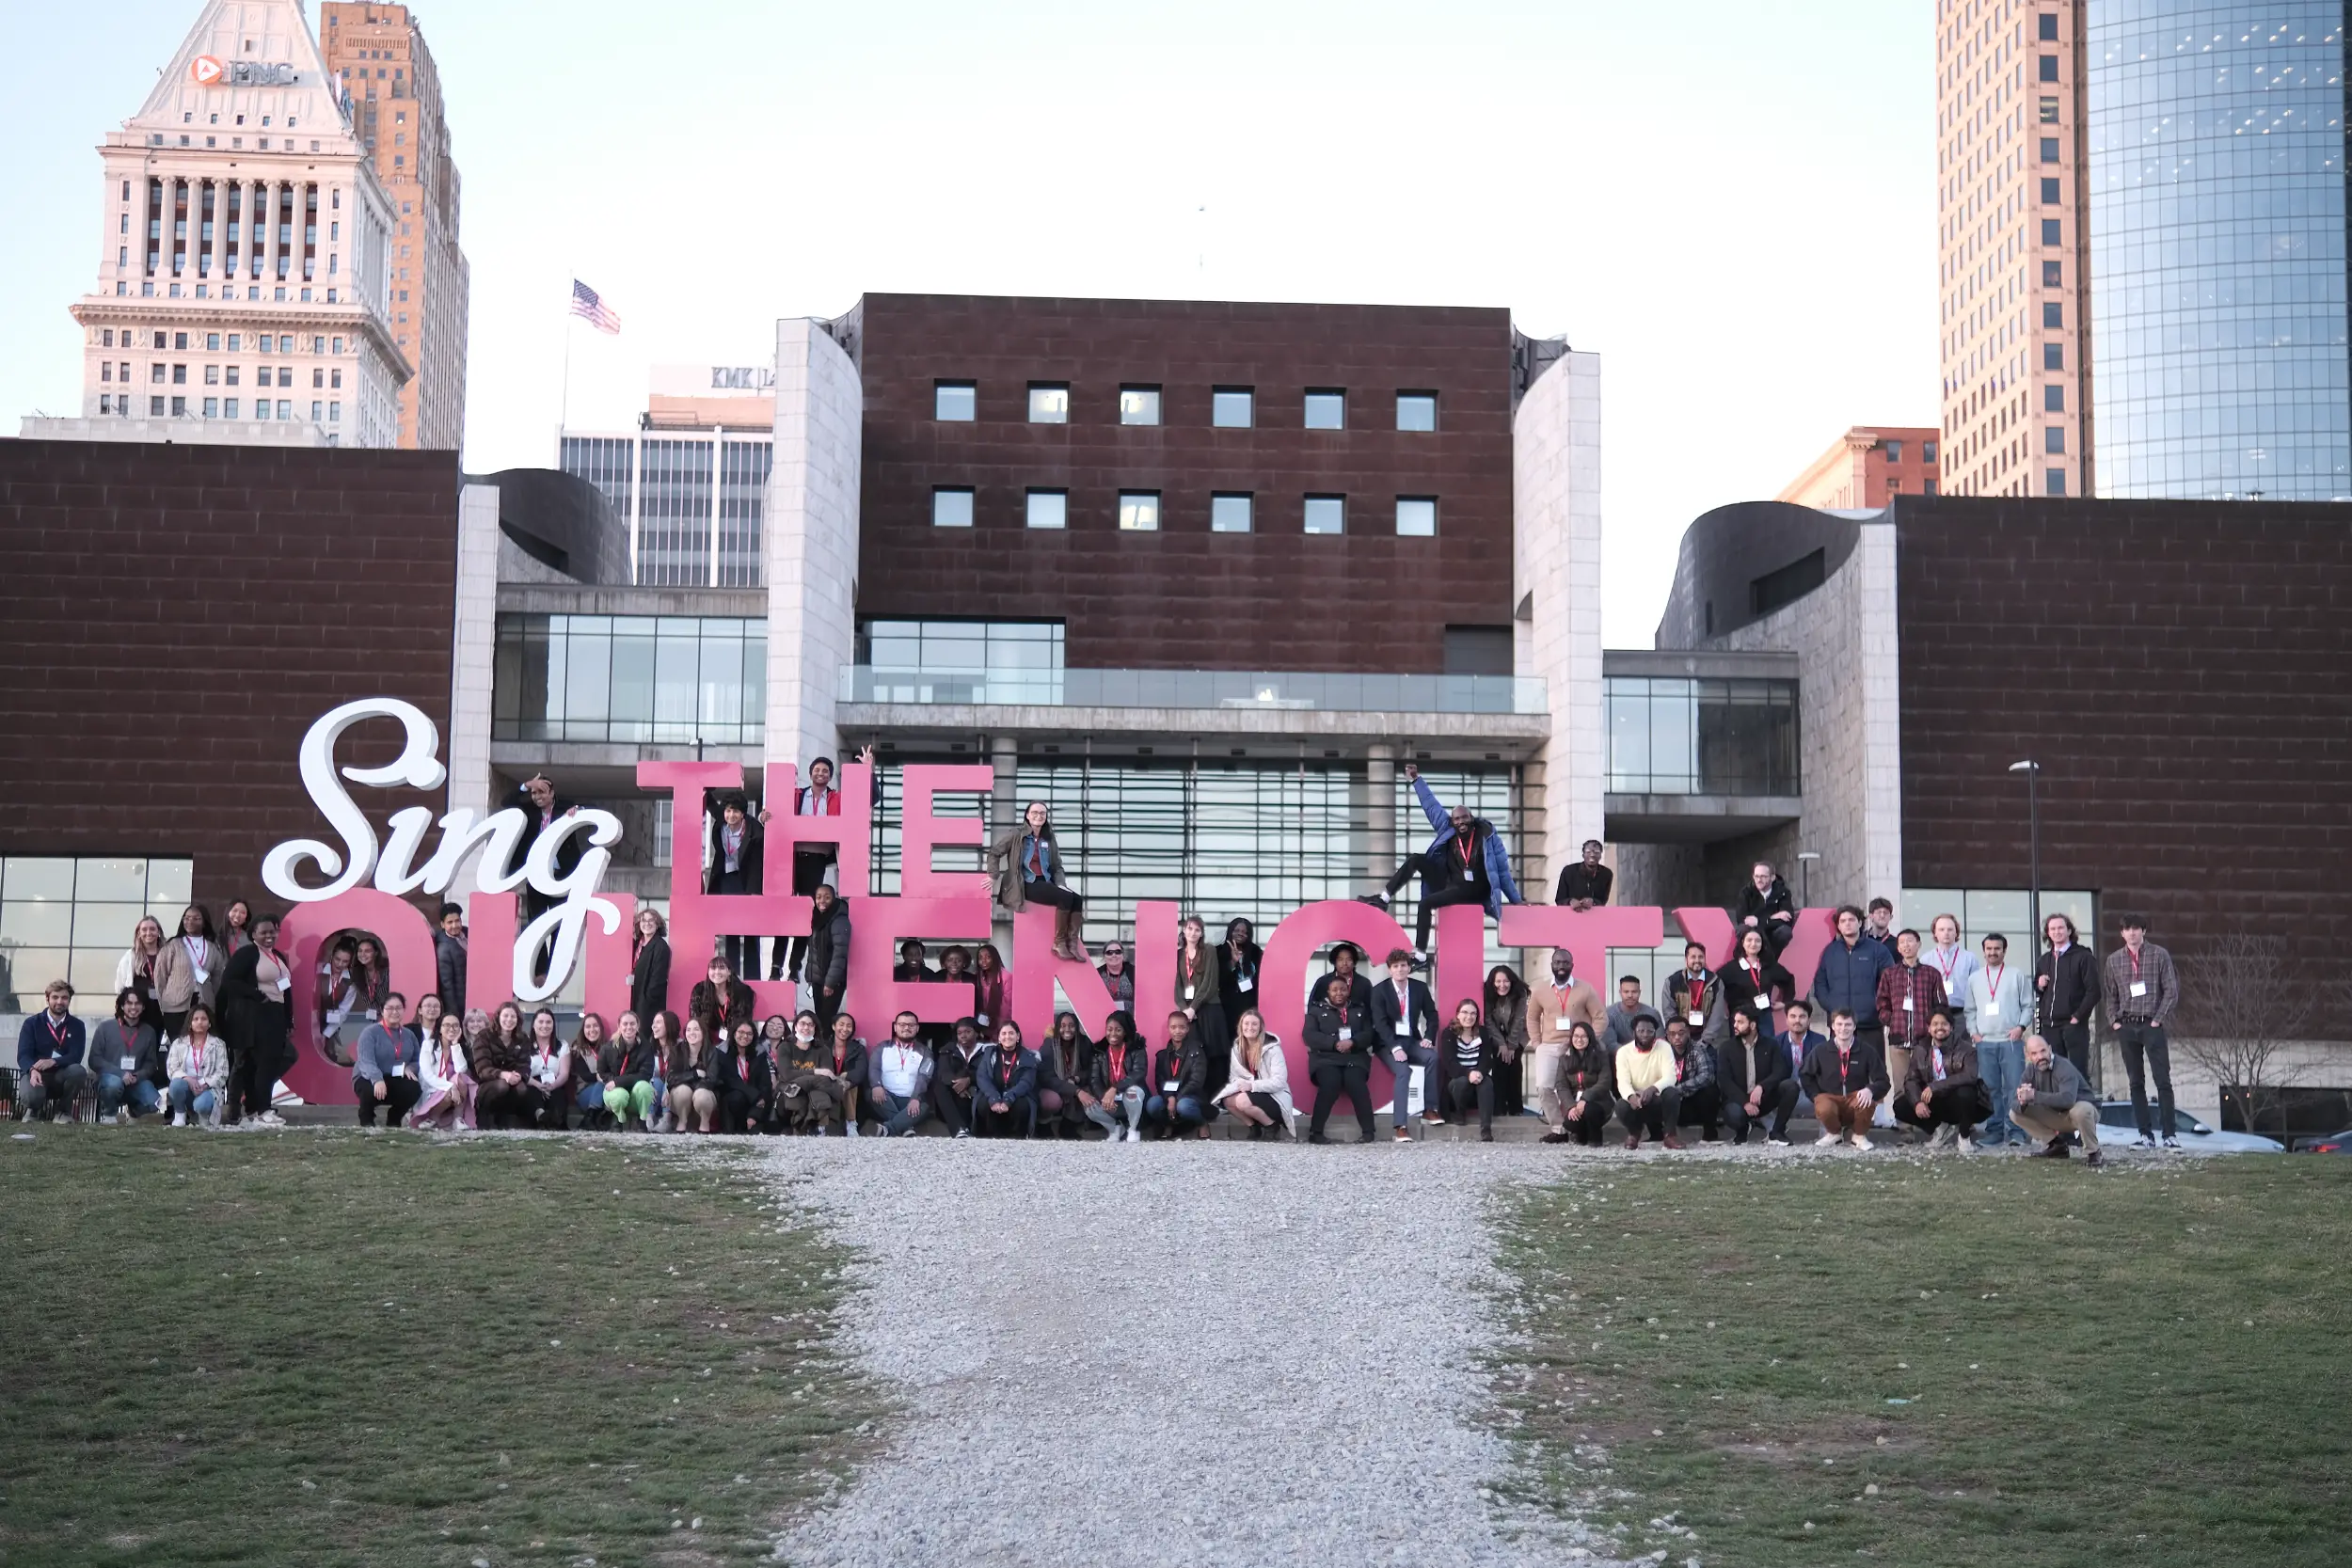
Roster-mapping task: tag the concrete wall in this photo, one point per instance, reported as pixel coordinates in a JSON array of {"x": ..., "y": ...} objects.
[
  {"x": 1556, "y": 590},
  {"x": 812, "y": 539}
]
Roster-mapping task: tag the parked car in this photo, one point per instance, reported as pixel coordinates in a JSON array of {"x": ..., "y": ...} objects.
[
  {"x": 2335, "y": 1143},
  {"x": 2118, "y": 1126}
]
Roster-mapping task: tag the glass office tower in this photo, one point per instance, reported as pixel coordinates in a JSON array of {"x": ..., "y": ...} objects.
[{"x": 2218, "y": 248}]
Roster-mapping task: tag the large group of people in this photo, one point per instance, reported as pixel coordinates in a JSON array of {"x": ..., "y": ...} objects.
[{"x": 1962, "y": 1047}]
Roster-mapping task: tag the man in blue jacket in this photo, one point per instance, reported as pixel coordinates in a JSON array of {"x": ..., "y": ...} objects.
[
  {"x": 1848, "y": 979},
  {"x": 49, "y": 1051},
  {"x": 1465, "y": 863}
]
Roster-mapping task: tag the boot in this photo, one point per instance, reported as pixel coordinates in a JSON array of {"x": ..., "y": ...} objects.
[{"x": 1065, "y": 923}]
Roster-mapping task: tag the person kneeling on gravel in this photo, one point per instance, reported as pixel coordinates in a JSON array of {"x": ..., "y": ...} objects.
[
  {"x": 1942, "y": 1095},
  {"x": 2052, "y": 1101},
  {"x": 1646, "y": 1087},
  {"x": 1004, "y": 1087},
  {"x": 1178, "y": 1103},
  {"x": 1114, "y": 1070}
]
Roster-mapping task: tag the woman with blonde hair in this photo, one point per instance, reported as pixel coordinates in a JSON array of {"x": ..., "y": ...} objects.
[{"x": 1259, "y": 1087}]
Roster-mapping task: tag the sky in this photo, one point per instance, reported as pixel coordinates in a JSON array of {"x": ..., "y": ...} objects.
[{"x": 1731, "y": 204}]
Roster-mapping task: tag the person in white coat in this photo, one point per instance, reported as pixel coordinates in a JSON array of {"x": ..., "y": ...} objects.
[
  {"x": 196, "y": 1068},
  {"x": 447, "y": 1099},
  {"x": 1259, "y": 1089}
]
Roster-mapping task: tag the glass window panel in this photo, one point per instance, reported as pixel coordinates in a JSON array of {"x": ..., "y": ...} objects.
[
  {"x": 1139, "y": 512},
  {"x": 1229, "y": 514},
  {"x": 26, "y": 974},
  {"x": 951, "y": 509},
  {"x": 1049, "y": 404},
  {"x": 1233, "y": 408},
  {"x": 955, "y": 401},
  {"x": 1139, "y": 405},
  {"x": 169, "y": 882},
  {"x": 91, "y": 972},
  {"x": 107, "y": 926},
  {"x": 1416, "y": 410},
  {"x": 1326, "y": 515},
  {"x": 123, "y": 879},
  {"x": 1416, "y": 517},
  {"x": 30, "y": 922},
  {"x": 38, "y": 877},
  {"x": 1049, "y": 509},
  {"x": 1327, "y": 410}
]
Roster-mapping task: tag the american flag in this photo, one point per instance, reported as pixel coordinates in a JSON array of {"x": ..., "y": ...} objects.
[{"x": 595, "y": 311}]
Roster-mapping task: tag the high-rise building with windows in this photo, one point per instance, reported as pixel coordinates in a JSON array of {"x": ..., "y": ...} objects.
[
  {"x": 2219, "y": 309},
  {"x": 2014, "y": 335},
  {"x": 690, "y": 481},
  {"x": 244, "y": 290},
  {"x": 1866, "y": 466},
  {"x": 379, "y": 60}
]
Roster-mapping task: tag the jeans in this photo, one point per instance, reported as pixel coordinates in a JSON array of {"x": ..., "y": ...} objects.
[
  {"x": 896, "y": 1116},
  {"x": 1106, "y": 1113},
  {"x": 1178, "y": 1114},
  {"x": 1424, "y": 1058},
  {"x": 2001, "y": 1062},
  {"x": 55, "y": 1090},
  {"x": 2144, "y": 1047},
  {"x": 186, "y": 1098},
  {"x": 113, "y": 1088},
  {"x": 1660, "y": 1118}
]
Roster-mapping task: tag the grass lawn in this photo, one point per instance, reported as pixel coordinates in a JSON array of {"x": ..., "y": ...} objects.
[
  {"x": 1949, "y": 1361},
  {"x": 322, "y": 1348}
]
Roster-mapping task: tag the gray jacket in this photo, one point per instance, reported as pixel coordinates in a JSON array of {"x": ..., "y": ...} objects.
[
  {"x": 2056, "y": 1085},
  {"x": 380, "y": 1053}
]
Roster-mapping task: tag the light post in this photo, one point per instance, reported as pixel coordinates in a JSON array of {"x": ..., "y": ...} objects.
[
  {"x": 1804, "y": 876},
  {"x": 2033, "y": 850}
]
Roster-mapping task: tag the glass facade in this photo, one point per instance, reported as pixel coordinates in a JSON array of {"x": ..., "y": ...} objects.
[
  {"x": 63, "y": 918},
  {"x": 607, "y": 462},
  {"x": 1221, "y": 688},
  {"x": 742, "y": 501},
  {"x": 957, "y": 661},
  {"x": 644, "y": 679},
  {"x": 2219, "y": 318},
  {"x": 1994, "y": 911},
  {"x": 1253, "y": 841},
  {"x": 1682, "y": 736},
  {"x": 674, "y": 514}
]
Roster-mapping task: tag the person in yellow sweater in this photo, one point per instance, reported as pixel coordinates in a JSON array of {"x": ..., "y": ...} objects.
[{"x": 1646, "y": 1094}]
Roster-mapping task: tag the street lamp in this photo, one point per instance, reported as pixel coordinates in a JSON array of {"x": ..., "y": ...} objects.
[
  {"x": 1804, "y": 875},
  {"x": 2033, "y": 851}
]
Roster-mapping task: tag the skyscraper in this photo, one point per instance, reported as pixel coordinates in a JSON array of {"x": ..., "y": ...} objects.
[
  {"x": 245, "y": 244},
  {"x": 378, "y": 55},
  {"x": 2016, "y": 339},
  {"x": 2217, "y": 160}
]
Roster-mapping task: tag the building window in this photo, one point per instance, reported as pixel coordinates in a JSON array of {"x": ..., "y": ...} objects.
[
  {"x": 69, "y": 919},
  {"x": 156, "y": 408},
  {"x": 957, "y": 661},
  {"x": 1416, "y": 410},
  {"x": 1139, "y": 405},
  {"x": 179, "y": 408},
  {"x": 1049, "y": 402},
  {"x": 1139, "y": 511},
  {"x": 1894, "y": 451},
  {"x": 335, "y": 412},
  {"x": 1926, "y": 487},
  {"x": 285, "y": 408},
  {"x": 2049, "y": 193},
  {"x": 2050, "y": 231},
  {"x": 2054, "y": 399},
  {"x": 2054, "y": 357},
  {"x": 1233, "y": 408},
  {"x": 2049, "y": 150},
  {"x": 2055, "y": 483},
  {"x": 1327, "y": 515},
  {"x": 212, "y": 408},
  {"x": 2047, "y": 28},
  {"x": 1326, "y": 409},
  {"x": 631, "y": 679},
  {"x": 1677, "y": 735},
  {"x": 179, "y": 375},
  {"x": 106, "y": 403},
  {"x": 1230, "y": 514},
  {"x": 2053, "y": 275},
  {"x": 2054, "y": 440},
  {"x": 234, "y": 371},
  {"x": 2049, "y": 67},
  {"x": 1049, "y": 509},
  {"x": 2049, "y": 111},
  {"x": 957, "y": 401},
  {"x": 1417, "y": 516},
  {"x": 2053, "y": 316},
  {"x": 229, "y": 409},
  {"x": 1927, "y": 452}
]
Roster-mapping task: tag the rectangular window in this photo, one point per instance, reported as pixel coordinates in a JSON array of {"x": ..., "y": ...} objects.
[
  {"x": 2053, "y": 316},
  {"x": 2049, "y": 111},
  {"x": 179, "y": 408},
  {"x": 1416, "y": 410},
  {"x": 2054, "y": 399},
  {"x": 2054, "y": 482},
  {"x": 1233, "y": 408},
  {"x": 1049, "y": 402},
  {"x": 335, "y": 412},
  {"x": 234, "y": 339},
  {"x": 1139, "y": 405},
  {"x": 155, "y": 408},
  {"x": 106, "y": 403},
  {"x": 232, "y": 375},
  {"x": 2053, "y": 275},
  {"x": 1139, "y": 511},
  {"x": 1049, "y": 509},
  {"x": 1417, "y": 516},
  {"x": 106, "y": 339},
  {"x": 158, "y": 374},
  {"x": 179, "y": 375},
  {"x": 2050, "y": 231},
  {"x": 1926, "y": 487},
  {"x": 318, "y": 409},
  {"x": 2049, "y": 193},
  {"x": 1230, "y": 514},
  {"x": 285, "y": 408},
  {"x": 2049, "y": 67},
  {"x": 229, "y": 409},
  {"x": 1894, "y": 451},
  {"x": 2047, "y": 28},
  {"x": 212, "y": 408},
  {"x": 64, "y": 918},
  {"x": 178, "y": 340},
  {"x": 2054, "y": 357},
  {"x": 1327, "y": 515},
  {"x": 957, "y": 401},
  {"x": 2049, "y": 150},
  {"x": 1927, "y": 452},
  {"x": 1326, "y": 409},
  {"x": 318, "y": 376},
  {"x": 212, "y": 375},
  {"x": 2054, "y": 440}
]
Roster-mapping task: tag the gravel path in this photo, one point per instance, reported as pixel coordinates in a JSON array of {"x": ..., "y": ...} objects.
[{"x": 1195, "y": 1353}]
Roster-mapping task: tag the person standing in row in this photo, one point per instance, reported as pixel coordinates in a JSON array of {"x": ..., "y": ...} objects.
[
  {"x": 188, "y": 971},
  {"x": 1200, "y": 997},
  {"x": 385, "y": 1070},
  {"x": 1403, "y": 1017},
  {"x": 1238, "y": 960},
  {"x": 2000, "y": 1011},
  {"x": 1024, "y": 868},
  {"x": 1847, "y": 981},
  {"x": 1506, "y": 1015},
  {"x": 1909, "y": 994},
  {"x": 1628, "y": 1010},
  {"x": 1585, "y": 885},
  {"x": 1955, "y": 963},
  {"x": 2066, "y": 983},
  {"x": 737, "y": 857},
  {"x": 1339, "y": 1057},
  {"x": 449, "y": 959},
  {"x": 2141, "y": 991},
  {"x": 1554, "y": 1005},
  {"x": 137, "y": 967},
  {"x": 649, "y": 965},
  {"x": 1754, "y": 983},
  {"x": 256, "y": 1024},
  {"x": 1694, "y": 991},
  {"x": 825, "y": 968}
]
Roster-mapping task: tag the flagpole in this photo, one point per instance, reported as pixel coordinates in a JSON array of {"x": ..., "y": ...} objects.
[{"x": 565, "y": 420}]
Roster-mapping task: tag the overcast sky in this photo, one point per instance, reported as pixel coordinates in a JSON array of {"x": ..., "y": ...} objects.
[{"x": 1732, "y": 203}]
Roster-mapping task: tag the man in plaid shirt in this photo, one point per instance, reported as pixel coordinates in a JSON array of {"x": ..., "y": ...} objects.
[
  {"x": 1910, "y": 993},
  {"x": 2141, "y": 991}
]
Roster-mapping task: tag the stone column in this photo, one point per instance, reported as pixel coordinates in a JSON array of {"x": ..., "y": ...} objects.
[
  {"x": 810, "y": 541},
  {"x": 1380, "y": 811}
]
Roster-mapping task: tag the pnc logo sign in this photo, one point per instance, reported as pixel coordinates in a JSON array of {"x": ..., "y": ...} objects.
[{"x": 205, "y": 71}]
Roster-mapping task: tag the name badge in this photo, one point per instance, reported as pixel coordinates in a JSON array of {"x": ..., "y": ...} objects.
[
  {"x": 1188, "y": 990},
  {"x": 1347, "y": 1034},
  {"x": 1907, "y": 1007},
  {"x": 980, "y": 1018},
  {"x": 1697, "y": 1019},
  {"x": 203, "y": 975},
  {"x": 398, "y": 1071},
  {"x": 1763, "y": 1002},
  {"x": 129, "y": 1066},
  {"x": 2139, "y": 988},
  {"x": 1168, "y": 1087},
  {"x": 285, "y": 982},
  {"x": 1247, "y": 982}
]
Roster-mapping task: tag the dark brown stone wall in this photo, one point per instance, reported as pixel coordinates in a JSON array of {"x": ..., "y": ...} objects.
[
  {"x": 177, "y": 615},
  {"x": 2182, "y": 670},
  {"x": 1185, "y": 598}
]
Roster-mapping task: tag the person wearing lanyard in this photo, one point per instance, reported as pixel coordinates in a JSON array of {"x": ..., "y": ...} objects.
[
  {"x": 2000, "y": 1010},
  {"x": 1954, "y": 962},
  {"x": 810, "y": 862},
  {"x": 1200, "y": 998},
  {"x": 199, "y": 1070},
  {"x": 1004, "y": 1087},
  {"x": 1024, "y": 868},
  {"x": 1339, "y": 1057},
  {"x": 1909, "y": 994},
  {"x": 1115, "y": 1073},
  {"x": 1845, "y": 1079},
  {"x": 1944, "y": 1097},
  {"x": 1404, "y": 1017},
  {"x": 256, "y": 1022},
  {"x": 1756, "y": 1080},
  {"x": 901, "y": 1075},
  {"x": 1465, "y": 863},
  {"x": 736, "y": 867},
  {"x": 385, "y": 1072},
  {"x": 2141, "y": 991},
  {"x": 1555, "y": 1006},
  {"x": 49, "y": 1049},
  {"x": 1691, "y": 991},
  {"x": 447, "y": 1088},
  {"x": 126, "y": 1058},
  {"x": 955, "y": 1077},
  {"x": 1755, "y": 982},
  {"x": 188, "y": 971},
  {"x": 550, "y": 1074},
  {"x": 1586, "y": 1077},
  {"x": 1179, "y": 1100}
]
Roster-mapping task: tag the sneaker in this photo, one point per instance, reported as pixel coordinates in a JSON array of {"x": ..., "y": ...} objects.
[
  {"x": 1401, "y": 1137},
  {"x": 1553, "y": 1138},
  {"x": 1946, "y": 1135},
  {"x": 179, "y": 1118},
  {"x": 1965, "y": 1144},
  {"x": 1431, "y": 1119},
  {"x": 1776, "y": 1143},
  {"x": 1377, "y": 900},
  {"x": 1421, "y": 959},
  {"x": 1827, "y": 1140},
  {"x": 2171, "y": 1141},
  {"x": 963, "y": 1132},
  {"x": 268, "y": 1118},
  {"x": 2143, "y": 1140},
  {"x": 2094, "y": 1159},
  {"x": 853, "y": 1130},
  {"x": 1859, "y": 1141},
  {"x": 1135, "y": 1135}
]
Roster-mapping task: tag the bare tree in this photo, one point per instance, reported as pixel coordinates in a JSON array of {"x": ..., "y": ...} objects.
[{"x": 2240, "y": 1017}]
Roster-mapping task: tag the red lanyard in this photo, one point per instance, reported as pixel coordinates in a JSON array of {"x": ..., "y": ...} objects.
[
  {"x": 1005, "y": 1062},
  {"x": 1119, "y": 1062},
  {"x": 2134, "y": 957},
  {"x": 1992, "y": 982},
  {"x": 1698, "y": 994},
  {"x": 1463, "y": 847},
  {"x": 840, "y": 1058}
]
